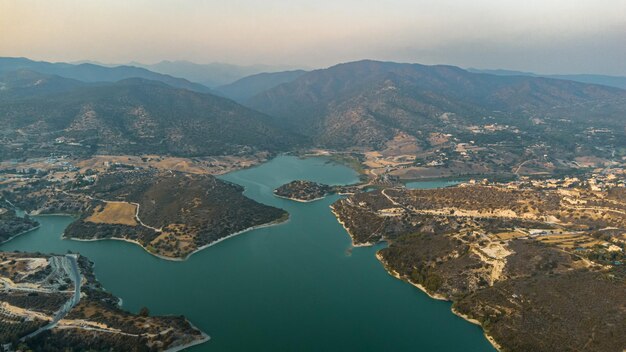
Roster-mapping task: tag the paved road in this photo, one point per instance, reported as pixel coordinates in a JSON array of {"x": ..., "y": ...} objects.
[{"x": 70, "y": 265}]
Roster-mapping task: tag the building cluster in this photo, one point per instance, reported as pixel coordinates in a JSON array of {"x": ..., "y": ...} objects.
[{"x": 595, "y": 182}]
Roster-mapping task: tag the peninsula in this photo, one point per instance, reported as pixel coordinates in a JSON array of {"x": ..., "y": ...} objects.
[
  {"x": 54, "y": 302},
  {"x": 171, "y": 214},
  {"x": 538, "y": 264}
]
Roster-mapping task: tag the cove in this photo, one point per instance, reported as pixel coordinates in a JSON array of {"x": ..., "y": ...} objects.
[{"x": 296, "y": 286}]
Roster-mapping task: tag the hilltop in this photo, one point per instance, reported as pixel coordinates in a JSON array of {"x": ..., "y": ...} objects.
[
  {"x": 446, "y": 115},
  {"x": 45, "y": 114},
  {"x": 366, "y": 103}
]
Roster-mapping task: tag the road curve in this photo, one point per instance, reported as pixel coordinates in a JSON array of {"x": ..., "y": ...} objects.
[{"x": 74, "y": 273}]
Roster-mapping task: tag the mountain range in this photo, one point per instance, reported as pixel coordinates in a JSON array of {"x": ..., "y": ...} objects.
[
  {"x": 81, "y": 109},
  {"x": 25, "y": 83},
  {"x": 211, "y": 75},
  {"x": 88, "y": 72},
  {"x": 611, "y": 81},
  {"x": 42, "y": 114},
  {"x": 245, "y": 88},
  {"x": 367, "y": 103}
]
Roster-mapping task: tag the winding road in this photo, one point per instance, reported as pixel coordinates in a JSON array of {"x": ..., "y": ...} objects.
[{"x": 70, "y": 265}]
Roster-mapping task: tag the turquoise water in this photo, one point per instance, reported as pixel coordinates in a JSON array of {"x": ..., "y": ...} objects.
[{"x": 292, "y": 287}]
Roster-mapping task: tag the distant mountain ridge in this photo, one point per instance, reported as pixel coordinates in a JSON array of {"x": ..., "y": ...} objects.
[
  {"x": 611, "y": 81},
  {"x": 95, "y": 73},
  {"x": 244, "y": 89},
  {"x": 211, "y": 75},
  {"x": 24, "y": 83},
  {"x": 362, "y": 104}
]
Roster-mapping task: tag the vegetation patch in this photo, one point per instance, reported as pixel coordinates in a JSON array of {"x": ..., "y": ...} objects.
[{"x": 540, "y": 267}]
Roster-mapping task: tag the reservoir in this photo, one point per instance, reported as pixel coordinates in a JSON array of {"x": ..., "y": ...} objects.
[{"x": 297, "y": 286}]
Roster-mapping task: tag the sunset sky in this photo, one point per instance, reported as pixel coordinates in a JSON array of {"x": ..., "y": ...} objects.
[{"x": 547, "y": 36}]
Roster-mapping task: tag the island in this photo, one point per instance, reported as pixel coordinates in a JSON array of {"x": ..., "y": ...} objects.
[
  {"x": 12, "y": 225},
  {"x": 538, "y": 264},
  {"x": 170, "y": 214},
  {"x": 55, "y": 303},
  {"x": 308, "y": 191}
]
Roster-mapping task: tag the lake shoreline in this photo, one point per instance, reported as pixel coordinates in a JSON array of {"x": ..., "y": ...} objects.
[
  {"x": 220, "y": 290},
  {"x": 395, "y": 274},
  {"x": 476, "y": 322},
  {"x": 301, "y": 200},
  {"x": 172, "y": 259},
  {"x": 347, "y": 229},
  {"x": 438, "y": 297},
  {"x": 205, "y": 338},
  {"x": 19, "y": 234}
]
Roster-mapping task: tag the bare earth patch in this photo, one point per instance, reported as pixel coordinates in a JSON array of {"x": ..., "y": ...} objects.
[
  {"x": 211, "y": 165},
  {"x": 121, "y": 213}
]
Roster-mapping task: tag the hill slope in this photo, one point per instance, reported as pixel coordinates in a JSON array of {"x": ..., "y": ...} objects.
[
  {"x": 611, "y": 81},
  {"x": 367, "y": 103},
  {"x": 247, "y": 87},
  {"x": 211, "y": 75},
  {"x": 131, "y": 117},
  {"x": 26, "y": 83}
]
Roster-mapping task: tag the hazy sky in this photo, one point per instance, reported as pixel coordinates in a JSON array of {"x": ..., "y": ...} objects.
[{"x": 546, "y": 36}]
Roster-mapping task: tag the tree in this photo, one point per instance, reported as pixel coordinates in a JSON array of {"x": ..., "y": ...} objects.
[{"x": 144, "y": 312}]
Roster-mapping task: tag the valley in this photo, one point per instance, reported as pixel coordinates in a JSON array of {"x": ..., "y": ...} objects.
[
  {"x": 304, "y": 266},
  {"x": 530, "y": 245},
  {"x": 335, "y": 176}
]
